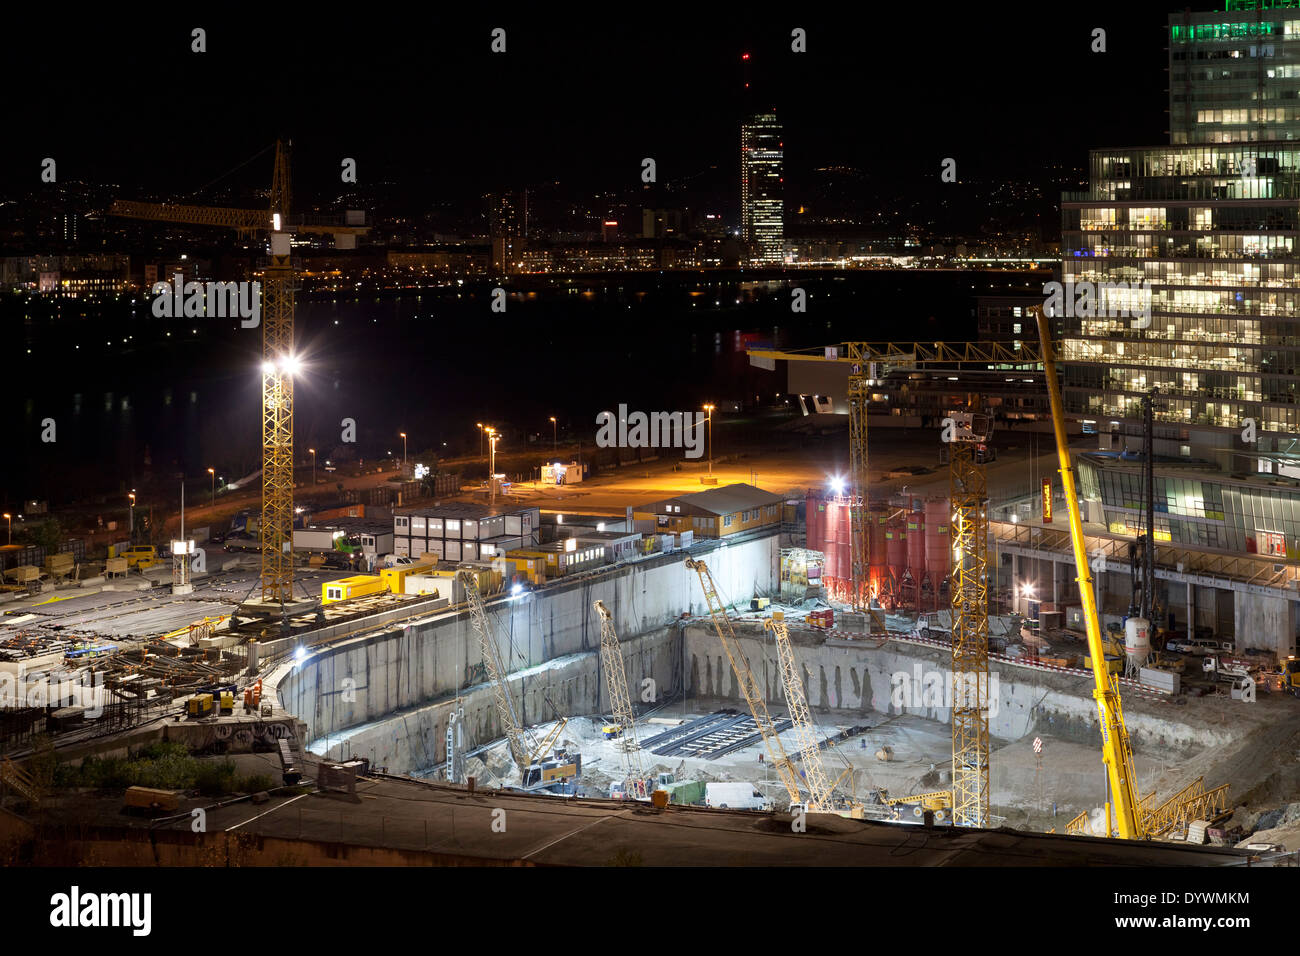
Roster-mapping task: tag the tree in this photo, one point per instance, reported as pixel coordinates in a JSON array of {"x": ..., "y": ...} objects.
[{"x": 48, "y": 534}]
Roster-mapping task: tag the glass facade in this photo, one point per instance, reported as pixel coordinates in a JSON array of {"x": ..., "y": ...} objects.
[
  {"x": 1213, "y": 233},
  {"x": 762, "y": 216},
  {"x": 1210, "y": 225},
  {"x": 1233, "y": 74},
  {"x": 1195, "y": 511}
]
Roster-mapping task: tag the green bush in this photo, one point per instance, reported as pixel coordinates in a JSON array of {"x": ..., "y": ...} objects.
[
  {"x": 213, "y": 778},
  {"x": 164, "y": 766},
  {"x": 255, "y": 783}
]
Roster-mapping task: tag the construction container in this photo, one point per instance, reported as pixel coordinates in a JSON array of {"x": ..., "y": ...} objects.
[
  {"x": 395, "y": 578},
  {"x": 684, "y": 792},
  {"x": 532, "y": 570},
  {"x": 316, "y": 539},
  {"x": 200, "y": 705},
  {"x": 345, "y": 589},
  {"x": 489, "y": 579},
  {"x": 227, "y": 702}
]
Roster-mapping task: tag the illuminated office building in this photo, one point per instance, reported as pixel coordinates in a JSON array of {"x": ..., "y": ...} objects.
[
  {"x": 762, "y": 218},
  {"x": 1209, "y": 224}
]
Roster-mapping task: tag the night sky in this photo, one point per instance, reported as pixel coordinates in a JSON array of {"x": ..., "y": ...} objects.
[{"x": 420, "y": 100}]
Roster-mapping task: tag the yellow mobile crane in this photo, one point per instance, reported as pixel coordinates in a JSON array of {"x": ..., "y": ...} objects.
[
  {"x": 611, "y": 660},
  {"x": 1116, "y": 751},
  {"x": 749, "y": 687}
]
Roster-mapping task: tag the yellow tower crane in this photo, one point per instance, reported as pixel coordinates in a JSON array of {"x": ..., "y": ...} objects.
[
  {"x": 1116, "y": 751},
  {"x": 968, "y": 589},
  {"x": 611, "y": 661},
  {"x": 279, "y": 361},
  {"x": 749, "y": 687}
]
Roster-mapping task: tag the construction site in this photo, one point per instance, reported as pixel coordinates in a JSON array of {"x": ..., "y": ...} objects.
[
  {"x": 852, "y": 668},
  {"x": 809, "y": 675}
]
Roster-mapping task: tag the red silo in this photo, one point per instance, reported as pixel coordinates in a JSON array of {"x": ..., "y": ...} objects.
[
  {"x": 813, "y": 512},
  {"x": 876, "y": 557},
  {"x": 826, "y": 529},
  {"x": 896, "y": 549},
  {"x": 844, "y": 551},
  {"x": 916, "y": 546},
  {"x": 938, "y": 542}
]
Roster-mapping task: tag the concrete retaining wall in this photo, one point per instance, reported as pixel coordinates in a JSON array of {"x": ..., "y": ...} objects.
[
  {"x": 389, "y": 679},
  {"x": 850, "y": 677}
]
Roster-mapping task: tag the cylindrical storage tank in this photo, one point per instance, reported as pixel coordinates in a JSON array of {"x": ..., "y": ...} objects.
[
  {"x": 1137, "y": 639},
  {"x": 826, "y": 528},
  {"x": 813, "y": 506},
  {"x": 844, "y": 548},
  {"x": 916, "y": 545},
  {"x": 896, "y": 547},
  {"x": 938, "y": 542}
]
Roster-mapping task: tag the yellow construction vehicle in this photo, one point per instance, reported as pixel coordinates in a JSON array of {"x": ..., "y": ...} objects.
[
  {"x": 938, "y": 802},
  {"x": 1291, "y": 675},
  {"x": 1116, "y": 751}
]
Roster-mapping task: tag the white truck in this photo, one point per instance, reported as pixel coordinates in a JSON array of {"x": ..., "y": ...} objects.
[{"x": 736, "y": 796}]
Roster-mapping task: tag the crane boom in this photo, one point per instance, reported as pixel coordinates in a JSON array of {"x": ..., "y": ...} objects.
[
  {"x": 611, "y": 660},
  {"x": 1116, "y": 750},
  {"x": 820, "y": 789},
  {"x": 519, "y": 749},
  {"x": 749, "y": 687}
]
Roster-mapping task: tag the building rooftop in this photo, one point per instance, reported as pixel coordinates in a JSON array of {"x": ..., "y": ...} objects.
[
  {"x": 460, "y": 509},
  {"x": 720, "y": 501}
]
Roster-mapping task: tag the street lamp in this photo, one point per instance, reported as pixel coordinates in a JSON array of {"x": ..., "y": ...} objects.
[
  {"x": 709, "y": 409},
  {"x": 313, "y": 466},
  {"x": 480, "y": 438},
  {"x": 131, "y": 520},
  {"x": 555, "y": 441},
  {"x": 213, "y": 473},
  {"x": 492, "y": 467},
  {"x": 403, "y": 434},
  {"x": 9, "y": 518}
]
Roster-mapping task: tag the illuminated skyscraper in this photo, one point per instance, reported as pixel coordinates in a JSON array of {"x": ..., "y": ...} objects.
[
  {"x": 762, "y": 218},
  {"x": 1191, "y": 249},
  {"x": 508, "y": 227},
  {"x": 1209, "y": 224}
]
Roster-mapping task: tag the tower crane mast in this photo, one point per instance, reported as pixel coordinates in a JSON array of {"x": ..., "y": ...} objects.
[{"x": 279, "y": 361}]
